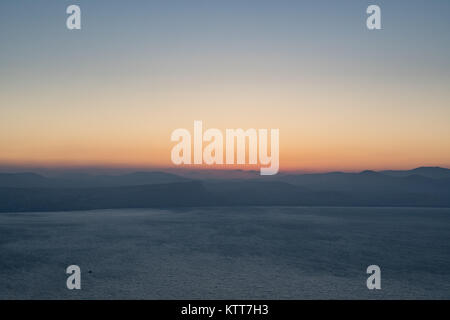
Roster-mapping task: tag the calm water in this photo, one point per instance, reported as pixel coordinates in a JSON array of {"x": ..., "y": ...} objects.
[{"x": 227, "y": 253}]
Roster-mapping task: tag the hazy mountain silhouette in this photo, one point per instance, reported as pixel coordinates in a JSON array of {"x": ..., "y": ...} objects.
[
  {"x": 366, "y": 181},
  {"x": 25, "y": 179},
  {"x": 33, "y": 192},
  {"x": 79, "y": 180},
  {"x": 60, "y": 199},
  {"x": 430, "y": 172}
]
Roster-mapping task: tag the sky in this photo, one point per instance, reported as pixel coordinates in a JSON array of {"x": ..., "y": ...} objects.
[{"x": 343, "y": 97}]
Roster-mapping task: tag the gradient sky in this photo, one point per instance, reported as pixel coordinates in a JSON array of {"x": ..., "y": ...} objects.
[{"x": 343, "y": 97}]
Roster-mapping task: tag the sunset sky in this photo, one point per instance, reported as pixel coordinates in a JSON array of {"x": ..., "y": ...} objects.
[{"x": 110, "y": 94}]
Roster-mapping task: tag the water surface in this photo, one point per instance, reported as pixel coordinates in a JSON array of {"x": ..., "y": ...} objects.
[{"x": 227, "y": 253}]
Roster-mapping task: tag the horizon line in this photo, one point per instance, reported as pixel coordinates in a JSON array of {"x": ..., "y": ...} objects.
[{"x": 199, "y": 168}]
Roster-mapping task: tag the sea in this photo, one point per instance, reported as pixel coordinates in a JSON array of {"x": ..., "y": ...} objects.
[{"x": 227, "y": 253}]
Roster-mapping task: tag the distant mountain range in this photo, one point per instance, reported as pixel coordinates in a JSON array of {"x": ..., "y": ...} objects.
[
  {"x": 424, "y": 186},
  {"x": 429, "y": 172},
  {"x": 79, "y": 180}
]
